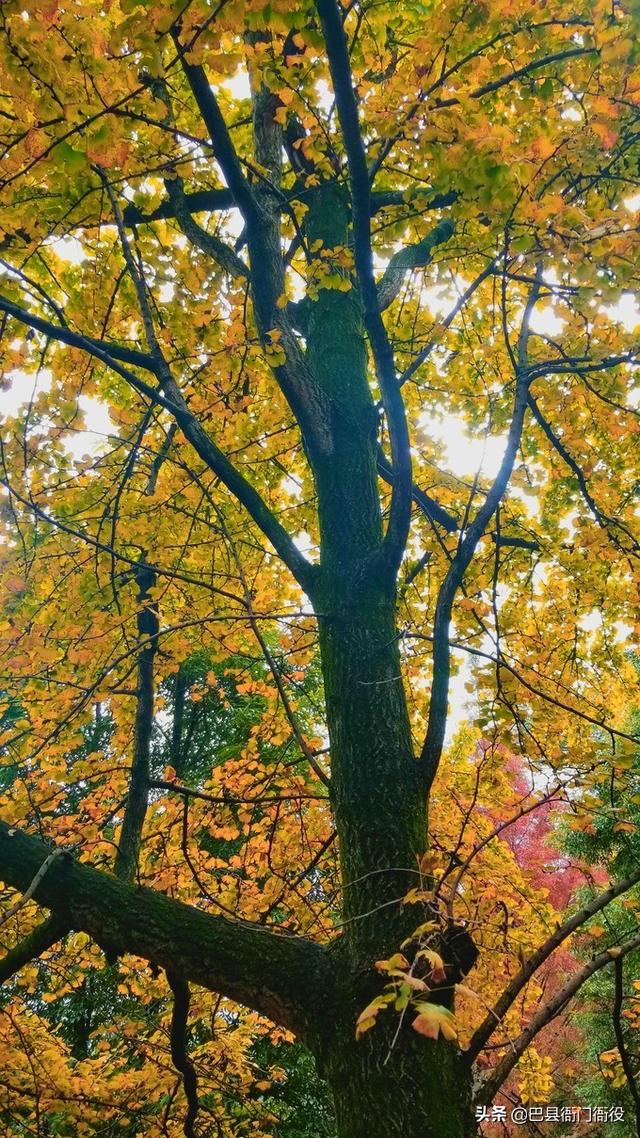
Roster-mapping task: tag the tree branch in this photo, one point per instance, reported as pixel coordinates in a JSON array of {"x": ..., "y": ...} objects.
[
  {"x": 446, "y": 322},
  {"x": 503, "y": 539},
  {"x": 520, "y": 73},
  {"x": 208, "y": 243},
  {"x": 285, "y": 978},
  {"x": 602, "y": 519},
  {"x": 221, "y": 200},
  {"x": 412, "y": 257},
  {"x": 198, "y": 201},
  {"x": 31, "y": 888},
  {"x": 238, "y": 186},
  {"x": 424, "y": 501},
  {"x": 179, "y": 1054},
  {"x": 172, "y": 399},
  {"x": 383, "y": 199},
  {"x": 500, "y": 658},
  {"x": 267, "y": 272},
  {"x": 625, "y": 1058},
  {"x": 170, "y": 574},
  {"x": 436, "y": 725},
  {"x": 102, "y": 349},
  {"x": 43, "y": 937},
  {"x": 126, "y": 861},
  {"x": 292, "y": 718}
]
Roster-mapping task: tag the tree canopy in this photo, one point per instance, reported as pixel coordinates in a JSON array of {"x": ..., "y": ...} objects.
[{"x": 319, "y": 557}]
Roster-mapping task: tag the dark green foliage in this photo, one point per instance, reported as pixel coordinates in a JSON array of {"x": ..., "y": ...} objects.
[{"x": 300, "y": 1101}]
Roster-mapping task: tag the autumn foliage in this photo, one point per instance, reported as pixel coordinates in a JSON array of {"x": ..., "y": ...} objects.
[{"x": 318, "y": 561}]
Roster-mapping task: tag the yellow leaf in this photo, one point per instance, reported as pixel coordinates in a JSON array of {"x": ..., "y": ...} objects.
[{"x": 434, "y": 1020}]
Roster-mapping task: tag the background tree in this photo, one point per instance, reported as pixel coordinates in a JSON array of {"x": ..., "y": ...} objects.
[{"x": 279, "y": 245}]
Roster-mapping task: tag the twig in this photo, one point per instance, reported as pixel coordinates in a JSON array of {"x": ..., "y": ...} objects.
[{"x": 30, "y": 890}]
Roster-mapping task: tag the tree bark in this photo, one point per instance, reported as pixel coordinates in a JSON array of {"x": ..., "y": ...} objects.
[
  {"x": 380, "y": 810},
  {"x": 391, "y": 1083},
  {"x": 416, "y": 1090},
  {"x": 411, "y": 1086}
]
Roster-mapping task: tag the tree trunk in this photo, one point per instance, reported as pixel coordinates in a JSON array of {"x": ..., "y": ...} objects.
[
  {"x": 380, "y": 809},
  {"x": 413, "y": 1088},
  {"x": 382, "y": 1086}
]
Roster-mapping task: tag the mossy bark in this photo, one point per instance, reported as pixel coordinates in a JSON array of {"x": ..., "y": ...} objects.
[
  {"x": 379, "y": 806},
  {"x": 382, "y": 1086},
  {"x": 380, "y": 811},
  {"x": 415, "y": 1088},
  {"x": 283, "y": 977}
]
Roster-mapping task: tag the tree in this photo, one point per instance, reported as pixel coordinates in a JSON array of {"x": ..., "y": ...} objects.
[{"x": 278, "y": 242}]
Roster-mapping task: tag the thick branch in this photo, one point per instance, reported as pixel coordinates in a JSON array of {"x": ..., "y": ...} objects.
[
  {"x": 101, "y": 349},
  {"x": 283, "y": 977},
  {"x": 126, "y": 862},
  {"x": 503, "y": 539},
  {"x": 239, "y": 188},
  {"x": 267, "y": 272},
  {"x": 412, "y": 257},
  {"x": 198, "y": 201},
  {"x": 220, "y": 200},
  {"x": 220, "y": 252}
]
